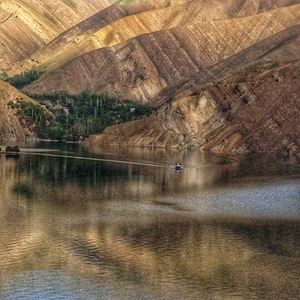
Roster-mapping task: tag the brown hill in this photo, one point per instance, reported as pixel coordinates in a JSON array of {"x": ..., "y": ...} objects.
[
  {"x": 27, "y": 25},
  {"x": 116, "y": 24},
  {"x": 207, "y": 66},
  {"x": 140, "y": 68},
  {"x": 35, "y": 33},
  {"x": 256, "y": 109}
]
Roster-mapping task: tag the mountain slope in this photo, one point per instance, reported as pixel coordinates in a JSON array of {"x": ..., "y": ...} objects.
[
  {"x": 223, "y": 75},
  {"x": 27, "y": 25},
  {"x": 140, "y": 68},
  {"x": 116, "y": 24},
  {"x": 31, "y": 31},
  {"x": 256, "y": 109}
]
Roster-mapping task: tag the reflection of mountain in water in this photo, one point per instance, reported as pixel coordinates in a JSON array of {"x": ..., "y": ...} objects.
[
  {"x": 73, "y": 180},
  {"x": 114, "y": 223},
  {"x": 207, "y": 257}
]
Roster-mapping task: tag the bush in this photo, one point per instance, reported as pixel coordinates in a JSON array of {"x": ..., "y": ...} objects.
[
  {"x": 20, "y": 80},
  {"x": 56, "y": 132},
  {"x": 12, "y": 149}
]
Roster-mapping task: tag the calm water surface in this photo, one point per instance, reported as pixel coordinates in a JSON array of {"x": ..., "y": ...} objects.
[{"x": 81, "y": 226}]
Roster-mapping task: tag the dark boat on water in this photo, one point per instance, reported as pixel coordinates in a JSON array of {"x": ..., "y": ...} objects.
[{"x": 178, "y": 166}]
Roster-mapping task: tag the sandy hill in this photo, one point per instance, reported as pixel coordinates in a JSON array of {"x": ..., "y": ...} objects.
[{"x": 27, "y": 25}]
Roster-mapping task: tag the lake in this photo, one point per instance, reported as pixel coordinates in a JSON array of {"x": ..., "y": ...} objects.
[{"x": 123, "y": 224}]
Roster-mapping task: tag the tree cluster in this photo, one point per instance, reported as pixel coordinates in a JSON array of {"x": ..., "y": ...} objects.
[
  {"x": 77, "y": 116},
  {"x": 20, "y": 80},
  {"x": 71, "y": 117},
  {"x": 12, "y": 149}
]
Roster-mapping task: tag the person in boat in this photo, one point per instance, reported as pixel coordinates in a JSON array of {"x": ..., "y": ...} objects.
[{"x": 178, "y": 166}]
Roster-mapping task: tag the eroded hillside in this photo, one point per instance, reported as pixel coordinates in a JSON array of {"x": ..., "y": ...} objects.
[
  {"x": 222, "y": 75},
  {"x": 118, "y": 23},
  {"x": 142, "y": 67},
  {"x": 256, "y": 109},
  {"x": 121, "y": 21},
  {"x": 27, "y": 25}
]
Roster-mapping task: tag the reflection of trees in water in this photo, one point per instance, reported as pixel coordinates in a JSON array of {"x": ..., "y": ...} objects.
[
  {"x": 201, "y": 170},
  {"x": 71, "y": 179},
  {"x": 60, "y": 169},
  {"x": 23, "y": 189},
  {"x": 112, "y": 180},
  {"x": 254, "y": 259},
  {"x": 209, "y": 257}
]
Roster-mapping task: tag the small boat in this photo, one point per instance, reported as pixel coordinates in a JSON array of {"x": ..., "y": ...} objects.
[{"x": 178, "y": 166}]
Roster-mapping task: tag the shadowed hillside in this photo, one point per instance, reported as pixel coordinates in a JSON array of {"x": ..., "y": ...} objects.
[{"x": 14, "y": 127}]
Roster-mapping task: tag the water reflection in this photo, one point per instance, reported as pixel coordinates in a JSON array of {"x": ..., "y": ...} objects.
[{"x": 223, "y": 228}]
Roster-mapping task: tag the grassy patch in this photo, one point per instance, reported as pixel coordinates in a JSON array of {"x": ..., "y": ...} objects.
[
  {"x": 50, "y": 18},
  {"x": 70, "y": 3}
]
